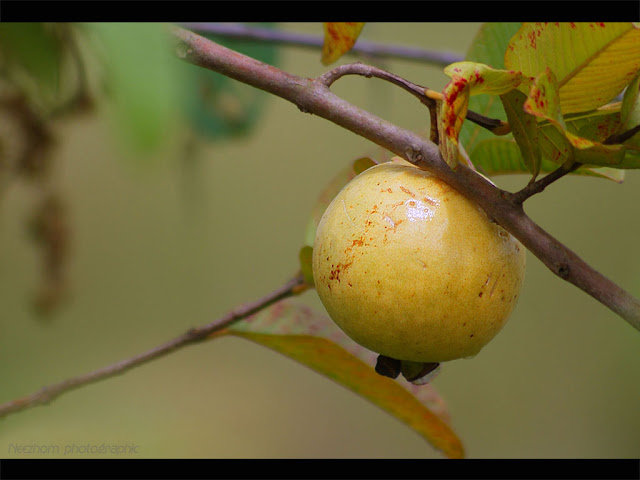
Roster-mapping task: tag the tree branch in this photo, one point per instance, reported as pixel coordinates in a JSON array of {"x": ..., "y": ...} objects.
[
  {"x": 313, "y": 96},
  {"x": 427, "y": 96},
  {"x": 371, "y": 49},
  {"x": 195, "y": 335}
]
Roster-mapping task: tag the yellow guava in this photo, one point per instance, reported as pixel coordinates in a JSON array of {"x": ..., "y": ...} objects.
[{"x": 409, "y": 268}]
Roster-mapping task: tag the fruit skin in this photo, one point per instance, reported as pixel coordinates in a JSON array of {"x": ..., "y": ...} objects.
[{"x": 409, "y": 268}]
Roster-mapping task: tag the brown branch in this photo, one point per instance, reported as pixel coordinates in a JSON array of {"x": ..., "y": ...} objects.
[
  {"x": 425, "y": 95},
  {"x": 192, "y": 336},
  {"x": 314, "y": 97},
  {"x": 369, "y": 71}
]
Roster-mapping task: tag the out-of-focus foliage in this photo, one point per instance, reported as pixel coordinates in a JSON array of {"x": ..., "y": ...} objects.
[
  {"x": 312, "y": 339},
  {"x": 219, "y": 107}
]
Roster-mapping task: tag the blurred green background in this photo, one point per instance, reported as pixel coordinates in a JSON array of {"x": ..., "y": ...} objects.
[{"x": 160, "y": 246}]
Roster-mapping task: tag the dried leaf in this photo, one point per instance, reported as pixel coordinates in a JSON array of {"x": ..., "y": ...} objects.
[{"x": 339, "y": 38}]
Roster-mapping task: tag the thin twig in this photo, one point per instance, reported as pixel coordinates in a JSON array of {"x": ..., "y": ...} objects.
[
  {"x": 427, "y": 96},
  {"x": 369, "y": 71},
  {"x": 538, "y": 186},
  {"x": 363, "y": 47},
  {"x": 314, "y": 97},
  {"x": 192, "y": 336}
]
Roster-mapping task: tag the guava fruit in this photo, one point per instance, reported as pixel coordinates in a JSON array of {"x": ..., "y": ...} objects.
[{"x": 411, "y": 269}]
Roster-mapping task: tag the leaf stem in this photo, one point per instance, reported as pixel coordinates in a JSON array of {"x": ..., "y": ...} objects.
[{"x": 192, "y": 336}]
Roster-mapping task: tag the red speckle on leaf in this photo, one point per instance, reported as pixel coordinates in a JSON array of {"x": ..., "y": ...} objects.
[
  {"x": 600, "y": 24},
  {"x": 532, "y": 39},
  {"x": 557, "y": 24},
  {"x": 572, "y": 25}
]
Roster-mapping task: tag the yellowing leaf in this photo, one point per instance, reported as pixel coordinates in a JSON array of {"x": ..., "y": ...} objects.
[
  {"x": 592, "y": 62},
  {"x": 482, "y": 78},
  {"x": 339, "y": 38},
  {"x": 448, "y": 131},
  {"x": 314, "y": 340},
  {"x": 331, "y": 360},
  {"x": 470, "y": 78},
  {"x": 543, "y": 102}
]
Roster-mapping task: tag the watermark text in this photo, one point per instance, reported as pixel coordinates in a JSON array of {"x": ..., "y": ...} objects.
[{"x": 27, "y": 449}]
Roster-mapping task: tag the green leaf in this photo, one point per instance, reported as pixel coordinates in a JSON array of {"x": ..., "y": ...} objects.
[
  {"x": 313, "y": 339},
  {"x": 630, "y": 109},
  {"x": 630, "y": 115},
  {"x": 524, "y": 128},
  {"x": 592, "y": 62},
  {"x": 488, "y": 47},
  {"x": 305, "y": 257},
  {"x": 330, "y": 191},
  {"x": 218, "y": 107},
  {"x": 144, "y": 80},
  {"x": 501, "y": 156}
]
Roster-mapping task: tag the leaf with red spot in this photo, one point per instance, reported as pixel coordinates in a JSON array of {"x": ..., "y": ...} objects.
[
  {"x": 339, "y": 38},
  {"x": 592, "y": 62},
  {"x": 312, "y": 339},
  {"x": 561, "y": 144},
  {"x": 470, "y": 78}
]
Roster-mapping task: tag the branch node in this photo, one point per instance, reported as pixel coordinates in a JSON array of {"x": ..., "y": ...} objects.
[{"x": 563, "y": 271}]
